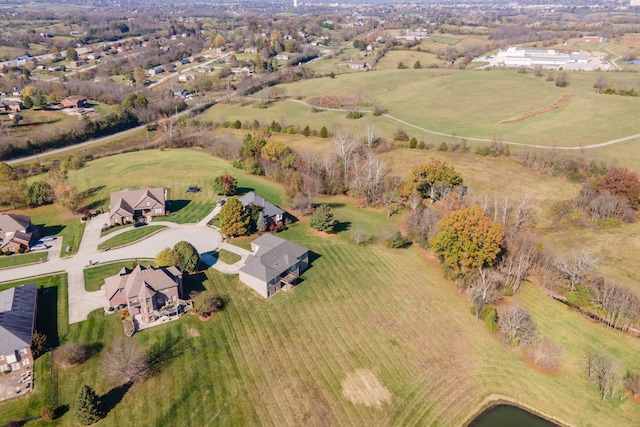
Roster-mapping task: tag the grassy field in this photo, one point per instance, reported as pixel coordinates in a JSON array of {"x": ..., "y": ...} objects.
[
  {"x": 361, "y": 315},
  {"x": 21, "y": 259},
  {"x": 130, "y": 236},
  {"x": 440, "y": 97},
  {"x": 94, "y": 276},
  {"x": 408, "y": 58}
]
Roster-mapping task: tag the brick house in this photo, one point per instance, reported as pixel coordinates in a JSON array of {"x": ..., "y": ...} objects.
[
  {"x": 128, "y": 205},
  {"x": 273, "y": 214},
  {"x": 275, "y": 264},
  {"x": 16, "y": 232},
  {"x": 17, "y": 322},
  {"x": 148, "y": 293},
  {"x": 74, "y": 101}
]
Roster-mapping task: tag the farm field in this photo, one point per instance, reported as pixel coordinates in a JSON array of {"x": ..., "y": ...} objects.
[{"x": 436, "y": 99}]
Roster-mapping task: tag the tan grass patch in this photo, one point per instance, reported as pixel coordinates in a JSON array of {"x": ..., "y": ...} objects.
[
  {"x": 332, "y": 101},
  {"x": 559, "y": 103},
  {"x": 363, "y": 387},
  {"x": 193, "y": 332}
]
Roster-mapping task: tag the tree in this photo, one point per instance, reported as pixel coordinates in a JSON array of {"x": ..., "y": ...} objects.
[
  {"x": 124, "y": 362},
  {"x": 67, "y": 195},
  {"x": 48, "y": 413},
  {"x": 322, "y": 219},
  {"x": 545, "y": 353},
  {"x": 562, "y": 79},
  {"x": 278, "y": 151},
  {"x": 234, "y": 220},
  {"x": 72, "y": 54},
  {"x": 187, "y": 256},
  {"x": 632, "y": 382},
  {"x": 622, "y": 182},
  {"x": 72, "y": 353},
  {"x": 87, "y": 406},
  {"x": 38, "y": 343},
  {"x": 323, "y": 132},
  {"x": 433, "y": 179},
  {"x": 467, "y": 240},
  {"x": 139, "y": 76},
  {"x": 604, "y": 372},
  {"x": 417, "y": 65},
  {"x": 261, "y": 223},
  {"x": 17, "y": 192},
  {"x": 167, "y": 258},
  {"x": 516, "y": 325},
  {"x": 577, "y": 265},
  {"x": 306, "y": 131},
  {"x": 27, "y": 102},
  {"x": 484, "y": 290},
  {"x": 134, "y": 101},
  {"x": 225, "y": 185},
  {"x": 207, "y": 303},
  {"x": 40, "y": 99}
]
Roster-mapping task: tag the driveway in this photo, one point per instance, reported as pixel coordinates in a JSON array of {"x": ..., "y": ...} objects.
[{"x": 81, "y": 303}]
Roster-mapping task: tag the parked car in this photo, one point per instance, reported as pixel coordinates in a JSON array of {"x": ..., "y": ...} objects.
[
  {"x": 139, "y": 224},
  {"x": 47, "y": 239},
  {"x": 193, "y": 189},
  {"x": 39, "y": 247},
  {"x": 221, "y": 202}
]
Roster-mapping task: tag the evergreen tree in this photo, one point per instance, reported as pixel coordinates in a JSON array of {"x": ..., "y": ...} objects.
[
  {"x": 323, "y": 132},
  {"x": 322, "y": 219},
  {"x": 87, "y": 406},
  {"x": 417, "y": 65},
  {"x": 234, "y": 220},
  {"x": 27, "y": 102},
  {"x": 261, "y": 223},
  {"x": 306, "y": 131}
]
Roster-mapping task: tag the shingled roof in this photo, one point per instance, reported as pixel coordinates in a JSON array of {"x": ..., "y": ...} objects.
[
  {"x": 128, "y": 199},
  {"x": 141, "y": 281},
  {"x": 11, "y": 222},
  {"x": 268, "y": 209},
  {"x": 17, "y": 317},
  {"x": 273, "y": 256}
]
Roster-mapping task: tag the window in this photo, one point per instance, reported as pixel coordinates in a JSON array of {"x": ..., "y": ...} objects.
[
  {"x": 148, "y": 300},
  {"x": 22, "y": 351},
  {"x": 157, "y": 210},
  {"x": 173, "y": 298},
  {"x": 26, "y": 362},
  {"x": 149, "y": 310},
  {"x": 148, "y": 203}
]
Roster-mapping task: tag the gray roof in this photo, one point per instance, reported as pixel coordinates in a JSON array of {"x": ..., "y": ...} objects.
[
  {"x": 11, "y": 222},
  {"x": 135, "y": 282},
  {"x": 273, "y": 256},
  {"x": 268, "y": 209},
  {"x": 17, "y": 317}
]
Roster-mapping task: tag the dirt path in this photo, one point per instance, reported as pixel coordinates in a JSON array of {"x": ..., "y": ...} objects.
[{"x": 559, "y": 103}]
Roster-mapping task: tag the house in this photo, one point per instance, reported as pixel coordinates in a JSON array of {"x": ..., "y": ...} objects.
[
  {"x": 282, "y": 57},
  {"x": 358, "y": 65},
  {"x": 148, "y": 293},
  {"x": 185, "y": 77},
  {"x": 593, "y": 39},
  {"x": 16, "y": 232},
  {"x": 94, "y": 56},
  {"x": 14, "y": 106},
  {"x": 17, "y": 323},
  {"x": 77, "y": 63},
  {"x": 251, "y": 49},
  {"x": 16, "y": 91},
  {"x": 273, "y": 214},
  {"x": 156, "y": 71},
  {"x": 128, "y": 205},
  {"x": 180, "y": 93},
  {"x": 74, "y": 101},
  {"x": 274, "y": 264},
  {"x": 54, "y": 69}
]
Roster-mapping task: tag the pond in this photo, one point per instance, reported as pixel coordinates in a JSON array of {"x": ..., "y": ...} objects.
[
  {"x": 634, "y": 62},
  {"x": 508, "y": 416}
]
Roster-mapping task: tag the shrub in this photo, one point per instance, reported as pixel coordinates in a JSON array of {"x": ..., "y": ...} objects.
[
  {"x": 353, "y": 114},
  {"x": 72, "y": 353},
  {"x": 48, "y": 413},
  {"x": 396, "y": 241},
  {"x": 206, "y": 303},
  {"x": 489, "y": 317},
  {"x": 413, "y": 143}
]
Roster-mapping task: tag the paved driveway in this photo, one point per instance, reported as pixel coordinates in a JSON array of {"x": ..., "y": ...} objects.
[{"x": 81, "y": 303}]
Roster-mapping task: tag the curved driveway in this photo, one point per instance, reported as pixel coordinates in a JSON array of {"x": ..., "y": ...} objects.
[{"x": 81, "y": 303}]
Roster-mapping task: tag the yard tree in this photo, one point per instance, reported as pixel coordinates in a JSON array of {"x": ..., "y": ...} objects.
[
  {"x": 139, "y": 76},
  {"x": 516, "y": 325},
  {"x": 433, "y": 179},
  {"x": 72, "y": 54},
  {"x": 40, "y": 99},
  {"x": 234, "y": 220},
  {"x": 322, "y": 219},
  {"x": 225, "y": 185},
  {"x": 27, "y": 102},
  {"x": 72, "y": 353},
  {"x": 467, "y": 240},
  {"x": 124, "y": 361},
  {"x": 261, "y": 223},
  {"x": 207, "y": 303},
  {"x": 17, "y": 193},
  {"x": 167, "y": 258},
  {"x": 324, "y": 133},
  {"x": 67, "y": 195},
  {"x": 87, "y": 406},
  {"x": 278, "y": 152},
  {"x": 187, "y": 255}
]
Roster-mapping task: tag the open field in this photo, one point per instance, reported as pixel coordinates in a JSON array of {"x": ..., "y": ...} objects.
[
  {"x": 130, "y": 236},
  {"x": 407, "y": 57},
  {"x": 438, "y": 98},
  {"x": 361, "y": 315}
]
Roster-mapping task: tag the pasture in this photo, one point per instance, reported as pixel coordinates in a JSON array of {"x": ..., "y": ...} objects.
[{"x": 436, "y": 99}]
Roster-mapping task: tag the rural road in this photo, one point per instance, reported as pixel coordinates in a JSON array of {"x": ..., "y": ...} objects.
[{"x": 82, "y": 302}]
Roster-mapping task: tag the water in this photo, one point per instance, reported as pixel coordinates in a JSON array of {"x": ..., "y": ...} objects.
[
  {"x": 509, "y": 416},
  {"x": 634, "y": 62}
]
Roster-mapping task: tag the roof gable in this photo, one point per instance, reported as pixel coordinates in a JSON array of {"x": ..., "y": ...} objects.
[
  {"x": 268, "y": 209},
  {"x": 129, "y": 199},
  {"x": 11, "y": 222},
  {"x": 273, "y": 256}
]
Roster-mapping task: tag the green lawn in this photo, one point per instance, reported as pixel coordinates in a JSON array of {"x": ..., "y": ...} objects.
[
  {"x": 130, "y": 236},
  {"x": 21, "y": 259},
  {"x": 94, "y": 276},
  {"x": 227, "y": 257}
]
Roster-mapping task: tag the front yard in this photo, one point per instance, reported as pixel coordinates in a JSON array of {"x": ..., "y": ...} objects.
[{"x": 22, "y": 259}]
